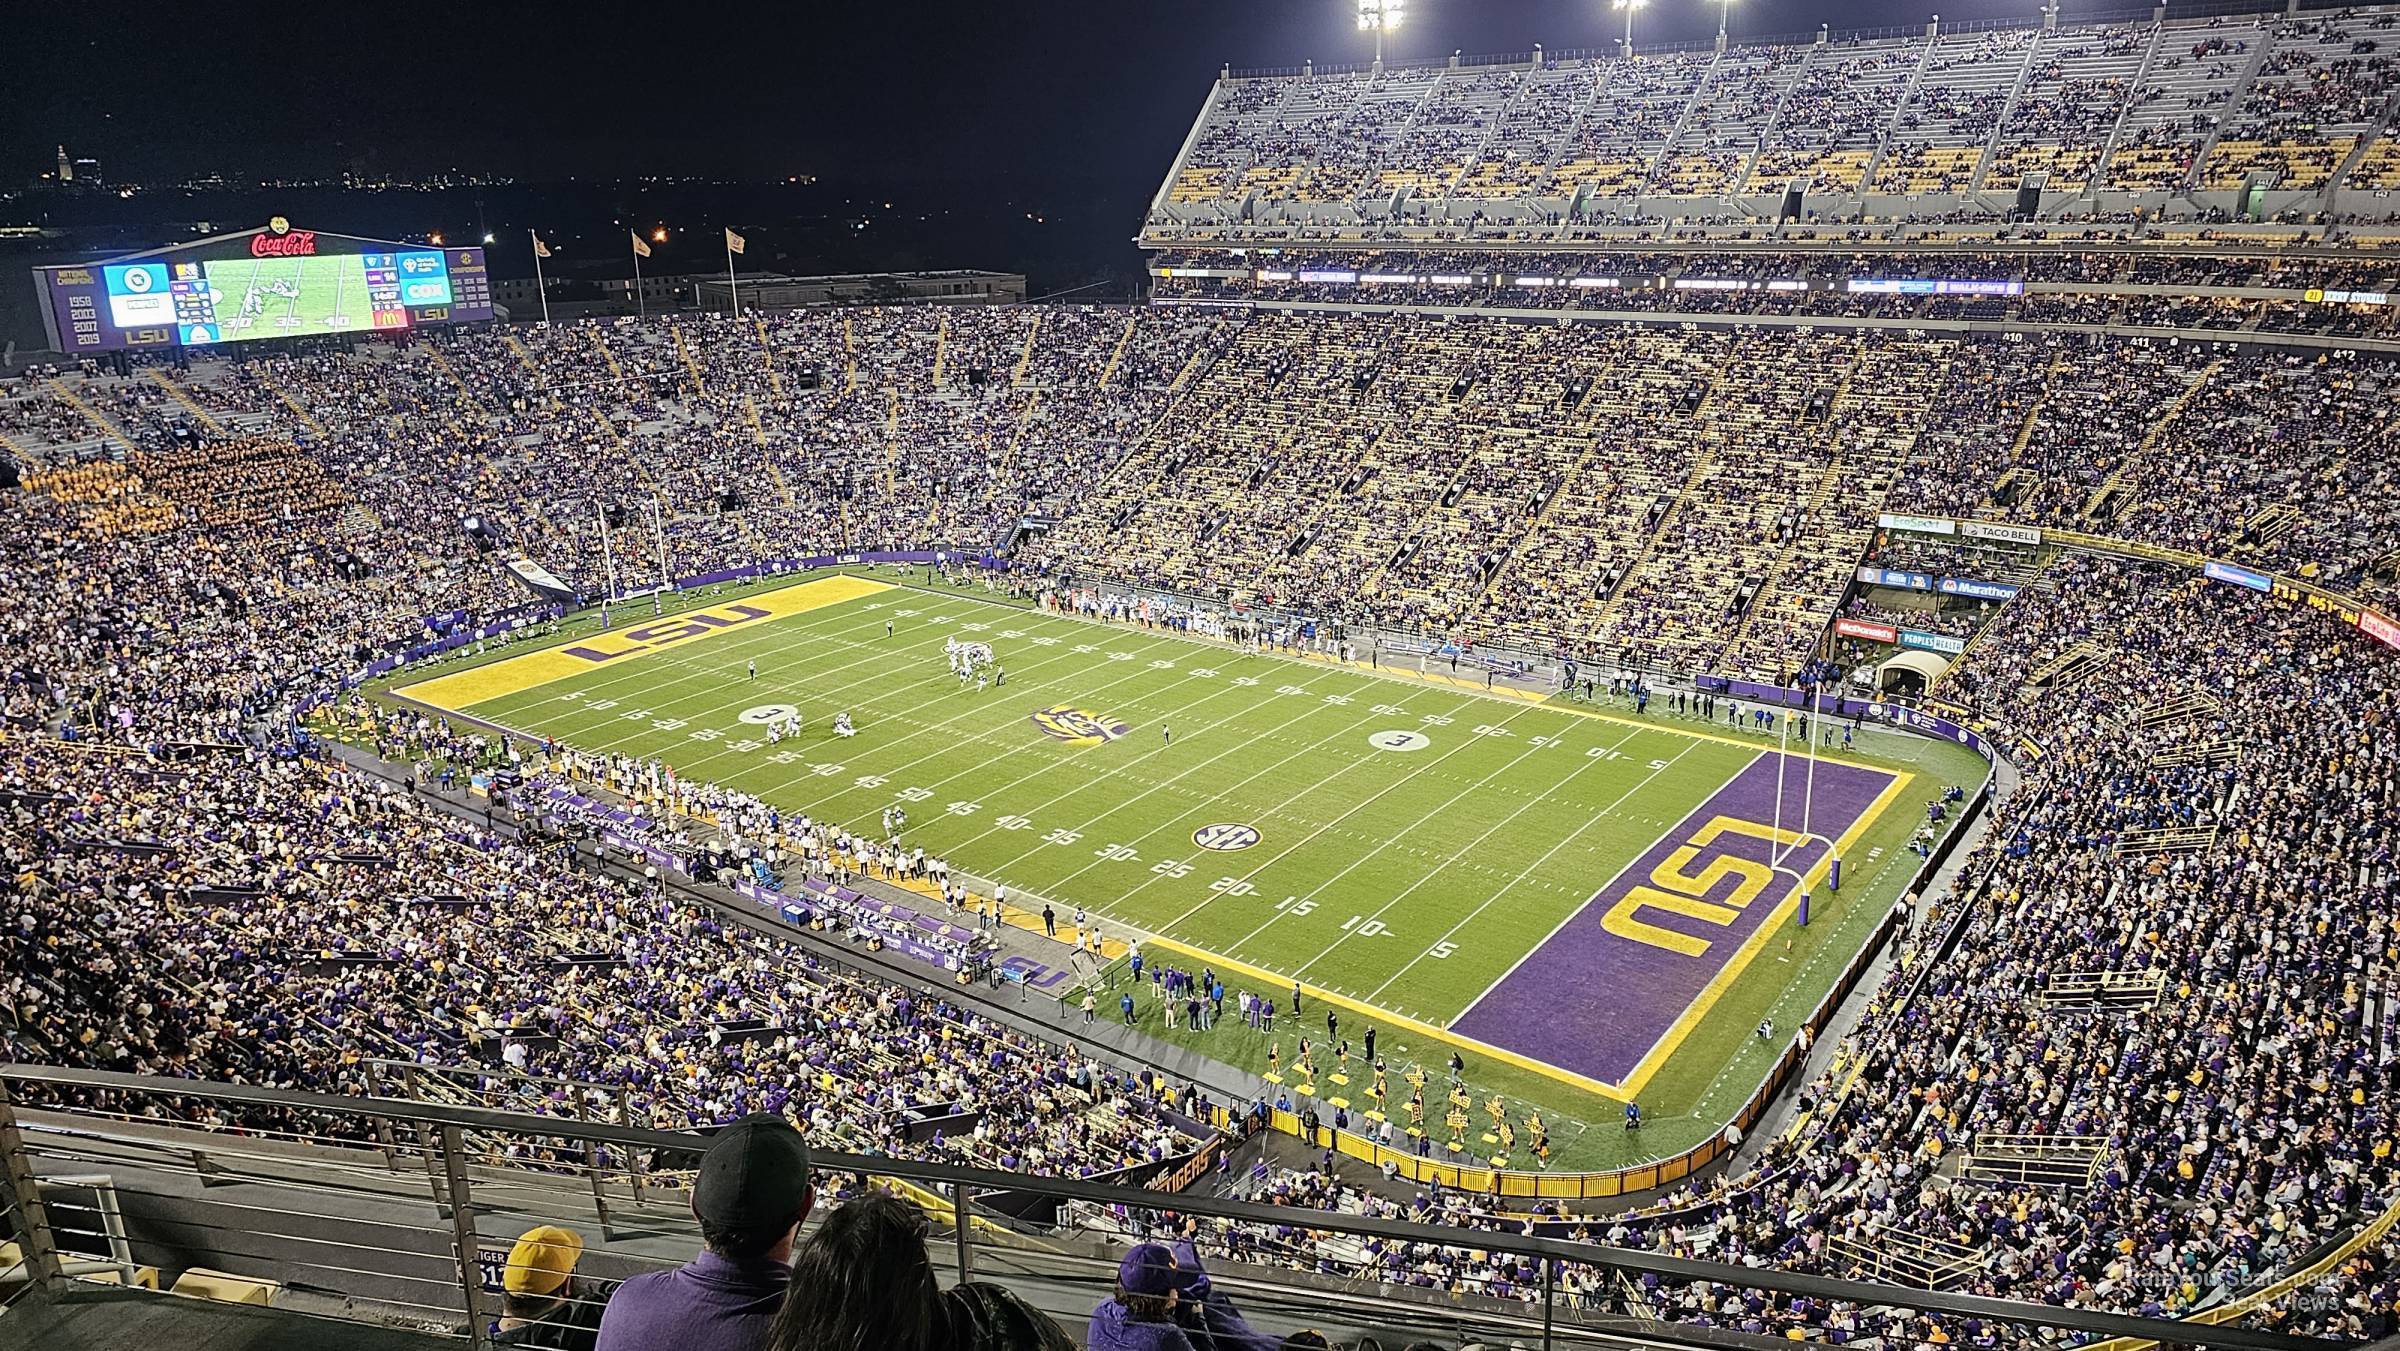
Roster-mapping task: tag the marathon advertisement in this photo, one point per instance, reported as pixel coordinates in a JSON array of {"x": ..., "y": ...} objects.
[
  {"x": 2232, "y": 575},
  {"x": 1969, "y": 587}
]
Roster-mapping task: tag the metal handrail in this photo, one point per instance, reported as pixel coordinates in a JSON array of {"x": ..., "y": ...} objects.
[{"x": 447, "y": 1125}]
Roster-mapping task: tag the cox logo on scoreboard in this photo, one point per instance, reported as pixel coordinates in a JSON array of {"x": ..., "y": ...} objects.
[{"x": 424, "y": 278}]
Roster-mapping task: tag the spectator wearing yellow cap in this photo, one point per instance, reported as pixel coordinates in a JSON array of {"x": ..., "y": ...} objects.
[{"x": 544, "y": 1304}]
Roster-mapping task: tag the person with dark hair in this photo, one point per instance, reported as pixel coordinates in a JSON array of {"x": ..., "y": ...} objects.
[
  {"x": 862, "y": 1282},
  {"x": 750, "y": 1197}
]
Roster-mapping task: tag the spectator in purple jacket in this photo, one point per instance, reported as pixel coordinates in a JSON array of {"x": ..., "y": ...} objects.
[
  {"x": 751, "y": 1196},
  {"x": 1165, "y": 1302}
]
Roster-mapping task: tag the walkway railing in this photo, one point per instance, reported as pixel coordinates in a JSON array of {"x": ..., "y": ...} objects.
[{"x": 377, "y": 1209}]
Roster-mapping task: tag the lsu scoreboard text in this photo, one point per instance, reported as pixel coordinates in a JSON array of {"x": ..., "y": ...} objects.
[{"x": 275, "y": 282}]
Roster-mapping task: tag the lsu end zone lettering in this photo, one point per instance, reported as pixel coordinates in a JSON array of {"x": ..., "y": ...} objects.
[
  {"x": 1619, "y": 985},
  {"x": 515, "y": 675}
]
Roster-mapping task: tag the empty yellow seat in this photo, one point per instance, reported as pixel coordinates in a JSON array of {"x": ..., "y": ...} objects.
[{"x": 226, "y": 1288}]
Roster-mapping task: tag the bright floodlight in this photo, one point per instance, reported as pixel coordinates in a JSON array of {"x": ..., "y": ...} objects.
[
  {"x": 1382, "y": 16},
  {"x": 1629, "y": 6}
]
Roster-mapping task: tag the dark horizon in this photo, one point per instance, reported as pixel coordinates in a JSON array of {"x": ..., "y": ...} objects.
[{"x": 1043, "y": 98}]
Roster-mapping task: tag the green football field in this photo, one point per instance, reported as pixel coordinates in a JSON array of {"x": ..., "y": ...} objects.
[
  {"x": 1587, "y": 905},
  {"x": 295, "y": 297}
]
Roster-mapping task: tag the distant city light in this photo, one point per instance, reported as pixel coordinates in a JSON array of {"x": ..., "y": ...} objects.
[{"x": 659, "y": 235}]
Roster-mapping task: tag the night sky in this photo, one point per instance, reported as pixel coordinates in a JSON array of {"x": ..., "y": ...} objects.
[
  {"x": 1022, "y": 136},
  {"x": 1042, "y": 96}
]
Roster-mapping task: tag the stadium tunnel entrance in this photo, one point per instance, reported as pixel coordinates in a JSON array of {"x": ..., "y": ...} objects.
[{"x": 1910, "y": 673}]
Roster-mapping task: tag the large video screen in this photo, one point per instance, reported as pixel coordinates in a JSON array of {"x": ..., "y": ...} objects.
[{"x": 249, "y": 287}]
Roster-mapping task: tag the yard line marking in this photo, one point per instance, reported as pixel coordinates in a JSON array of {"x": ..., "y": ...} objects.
[
  {"x": 762, "y": 639},
  {"x": 518, "y": 674},
  {"x": 1124, "y": 769},
  {"x": 1036, "y": 745},
  {"x": 1414, "y": 887},
  {"x": 1430, "y": 813},
  {"x": 1348, "y": 726},
  {"x": 695, "y": 672},
  {"x": 1421, "y": 680},
  {"x": 1285, "y": 852},
  {"x": 1519, "y": 879},
  {"x": 714, "y": 710}
]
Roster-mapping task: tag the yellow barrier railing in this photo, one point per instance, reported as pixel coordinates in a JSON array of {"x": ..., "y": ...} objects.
[{"x": 2268, "y": 1294}]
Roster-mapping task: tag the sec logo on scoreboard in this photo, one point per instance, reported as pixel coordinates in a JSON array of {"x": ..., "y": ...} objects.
[{"x": 1225, "y": 837}]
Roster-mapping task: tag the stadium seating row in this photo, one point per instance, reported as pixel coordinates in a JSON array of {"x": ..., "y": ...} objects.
[{"x": 2284, "y": 103}]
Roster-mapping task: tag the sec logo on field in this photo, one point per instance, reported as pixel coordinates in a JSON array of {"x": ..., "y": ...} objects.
[{"x": 1225, "y": 837}]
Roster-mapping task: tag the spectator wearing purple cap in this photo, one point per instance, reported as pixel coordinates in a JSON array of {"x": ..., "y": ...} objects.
[
  {"x": 751, "y": 1195},
  {"x": 1146, "y": 1313},
  {"x": 1165, "y": 1302}
]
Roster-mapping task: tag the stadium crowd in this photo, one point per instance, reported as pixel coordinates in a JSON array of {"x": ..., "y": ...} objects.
[
  {"x": 2144, "y": 109},
  {"x": 1692, "y": 500}
]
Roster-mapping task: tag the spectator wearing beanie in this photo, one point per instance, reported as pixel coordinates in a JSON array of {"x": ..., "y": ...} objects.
[
  {"x": 545, "y": 1305},
  {"x": 752, "y": 1193}
]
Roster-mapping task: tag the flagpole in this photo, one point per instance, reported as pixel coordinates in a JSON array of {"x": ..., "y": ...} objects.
[
  {"x": 731, "y": 279},
  {"x": 538, "y": 284},
  {"x": 640, "y": 304}
]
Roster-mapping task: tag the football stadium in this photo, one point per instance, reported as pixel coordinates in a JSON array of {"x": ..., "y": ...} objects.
[{"x": 1695, "y": 695}]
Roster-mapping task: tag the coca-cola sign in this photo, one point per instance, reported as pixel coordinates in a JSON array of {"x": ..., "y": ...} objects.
[{"x": 297, "y": 244}]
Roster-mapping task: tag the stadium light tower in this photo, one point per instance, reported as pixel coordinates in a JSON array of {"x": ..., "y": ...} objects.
[
  {"x": 1724, "y": 17},
  {"x": 1380, "y": 17},
  {"x": 1629, "y": 6}
]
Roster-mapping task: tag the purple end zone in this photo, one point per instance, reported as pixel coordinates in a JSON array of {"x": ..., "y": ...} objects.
[{"x": 1594, "y": 999}]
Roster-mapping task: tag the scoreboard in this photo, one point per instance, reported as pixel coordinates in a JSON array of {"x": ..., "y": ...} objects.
[{"x": 274, "y": 282}]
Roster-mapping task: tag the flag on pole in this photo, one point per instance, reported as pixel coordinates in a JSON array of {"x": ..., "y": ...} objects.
[
  {"x": 540, "y": 249},
  {"x": 641, "y": 249},
  {"x": 733, "y": 241}
]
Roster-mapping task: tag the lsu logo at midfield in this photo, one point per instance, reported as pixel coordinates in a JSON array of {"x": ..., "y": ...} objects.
[
  {"x": 648, "y": 636},
  {"x": 1078, "y": 727}
]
